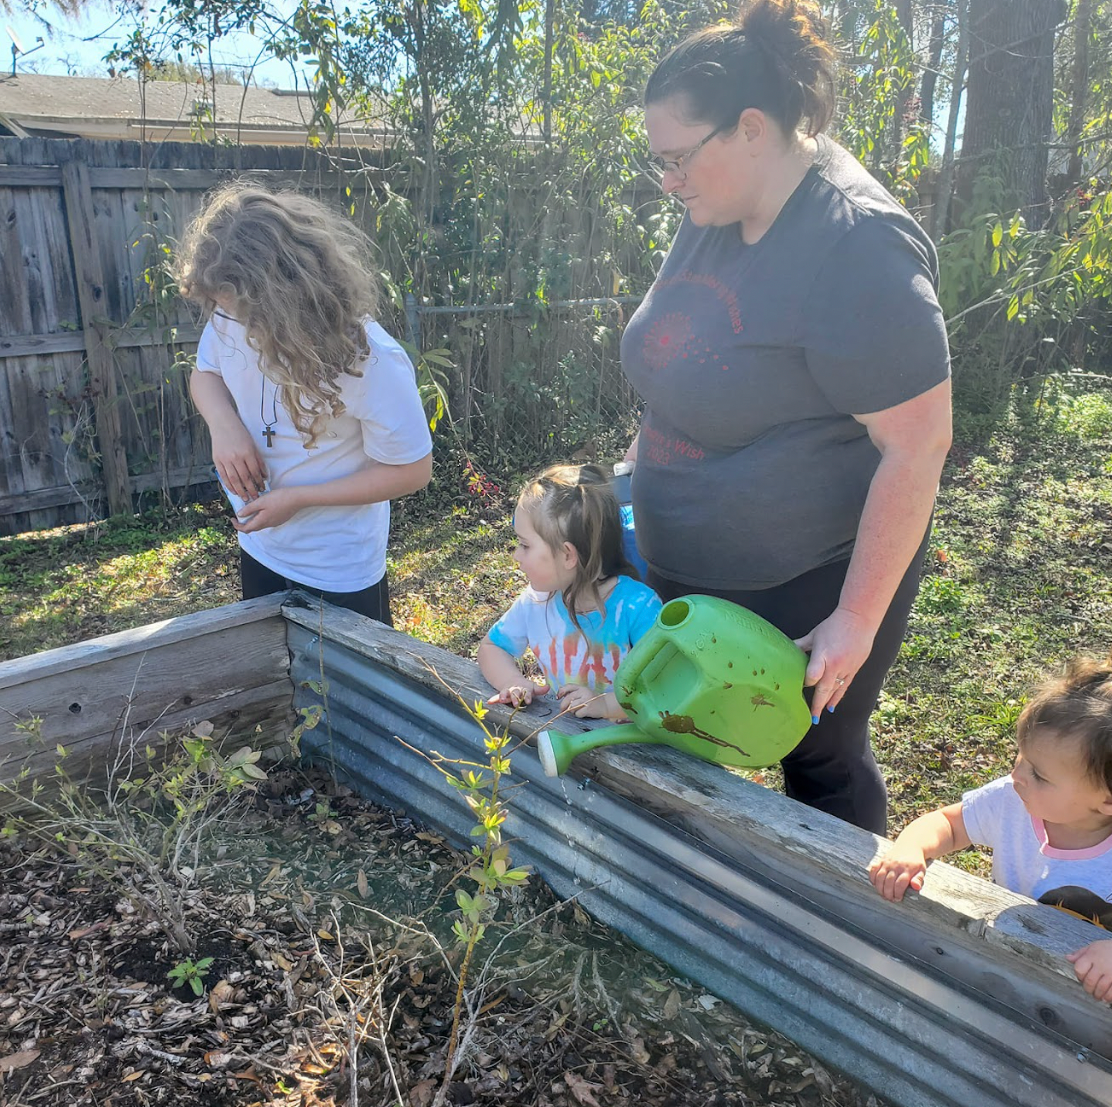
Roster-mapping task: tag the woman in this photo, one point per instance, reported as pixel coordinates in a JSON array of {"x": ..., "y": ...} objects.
[{"x": 793, "y": 362}]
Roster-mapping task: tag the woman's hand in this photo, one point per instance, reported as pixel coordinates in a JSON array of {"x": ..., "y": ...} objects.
[
  {"x": 838, "y": 646},
  {"x": 271, "y": 509}
]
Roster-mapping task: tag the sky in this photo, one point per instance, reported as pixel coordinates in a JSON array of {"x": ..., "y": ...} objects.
[{"x": 77, "y": 47}]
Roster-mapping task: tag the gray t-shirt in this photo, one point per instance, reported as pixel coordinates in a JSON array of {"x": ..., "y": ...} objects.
[{"x": 752, "y": 360}]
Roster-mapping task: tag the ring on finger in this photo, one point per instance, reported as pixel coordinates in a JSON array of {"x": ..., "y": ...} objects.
[{"x": 839, "y": 681}]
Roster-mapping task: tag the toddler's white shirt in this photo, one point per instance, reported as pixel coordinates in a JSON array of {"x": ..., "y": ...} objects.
[{"x": 1022, "y": 860}]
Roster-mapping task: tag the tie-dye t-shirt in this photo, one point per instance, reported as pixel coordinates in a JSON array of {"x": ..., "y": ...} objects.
[{"x": 590, "y": 656}]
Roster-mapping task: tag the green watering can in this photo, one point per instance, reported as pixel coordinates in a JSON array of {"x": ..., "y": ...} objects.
[{"x": 711, "y": 679}]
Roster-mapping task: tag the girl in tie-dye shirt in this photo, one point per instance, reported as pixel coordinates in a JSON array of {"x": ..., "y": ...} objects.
[{"x": 585, "y": 606}]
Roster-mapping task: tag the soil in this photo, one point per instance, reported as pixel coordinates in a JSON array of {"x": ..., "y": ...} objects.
[{"x": 333, "y": 981}]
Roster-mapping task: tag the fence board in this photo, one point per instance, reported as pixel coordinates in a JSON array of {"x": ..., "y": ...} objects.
[
  {"x": 519, "y": 371},
  {"x": 93, "y": 298}
]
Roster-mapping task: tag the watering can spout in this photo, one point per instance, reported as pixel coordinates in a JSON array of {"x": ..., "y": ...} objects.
[
  {"x": 557, "y": 749},
  {"x": 709, "y": 678}
]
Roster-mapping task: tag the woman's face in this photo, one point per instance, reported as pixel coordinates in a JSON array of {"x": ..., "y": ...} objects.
[{"x": 714, "y": 178}]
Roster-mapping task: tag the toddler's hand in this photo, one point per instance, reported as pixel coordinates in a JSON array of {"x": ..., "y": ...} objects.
[
  {"x": 519, "y": 695},
  {"x": 902, "y": 867},
  {"x": 580, "y": 701},
  {"x": 1093, "y": 966}
]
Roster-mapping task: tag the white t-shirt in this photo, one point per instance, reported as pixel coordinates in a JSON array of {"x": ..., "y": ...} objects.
[
  {"x": 1022, "y": 860},
  {"x": 335, "y": 549}
]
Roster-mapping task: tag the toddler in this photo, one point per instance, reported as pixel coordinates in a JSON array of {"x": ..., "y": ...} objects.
[
  {"x": 585, "y": 606},
  {"x": 1049, "y": 823}
]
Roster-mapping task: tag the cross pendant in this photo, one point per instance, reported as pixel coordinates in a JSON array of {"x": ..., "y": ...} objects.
[{"x": 268, "y": 433}]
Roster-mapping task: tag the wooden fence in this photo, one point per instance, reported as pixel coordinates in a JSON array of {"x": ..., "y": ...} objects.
[
  {"x": 94, "y": 345},
  {"x": 83, "y": 228}
]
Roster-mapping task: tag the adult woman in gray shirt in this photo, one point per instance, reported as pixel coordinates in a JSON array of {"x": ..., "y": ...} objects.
[{"x": 794, "y": 367}]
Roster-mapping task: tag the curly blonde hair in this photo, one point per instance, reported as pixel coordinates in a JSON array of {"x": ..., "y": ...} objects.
[{"x": 295, "y": 273}]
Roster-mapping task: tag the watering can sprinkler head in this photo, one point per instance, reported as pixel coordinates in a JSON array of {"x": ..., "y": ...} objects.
[{"x": 709, "y": 678}]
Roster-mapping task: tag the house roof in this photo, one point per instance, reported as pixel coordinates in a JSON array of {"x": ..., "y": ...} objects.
[{"x": 119, "y": 107}]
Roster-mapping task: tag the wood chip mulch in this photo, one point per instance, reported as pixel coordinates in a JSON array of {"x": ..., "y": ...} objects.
[{"x": 328, "y": 921}]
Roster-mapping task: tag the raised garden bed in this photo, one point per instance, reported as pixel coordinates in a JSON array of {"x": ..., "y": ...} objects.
[{"x": 960, "y": 995}]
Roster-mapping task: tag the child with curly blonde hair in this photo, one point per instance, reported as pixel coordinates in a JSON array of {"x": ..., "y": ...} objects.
[
  {"x": 313, "y": 409},
  {"x": 1049, "y": 822}
]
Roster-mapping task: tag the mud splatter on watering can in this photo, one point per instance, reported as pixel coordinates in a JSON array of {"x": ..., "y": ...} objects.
[{"x": 711, "y": 679}]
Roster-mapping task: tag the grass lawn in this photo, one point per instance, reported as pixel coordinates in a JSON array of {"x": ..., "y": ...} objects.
[{"x": 1019, "y": 576}]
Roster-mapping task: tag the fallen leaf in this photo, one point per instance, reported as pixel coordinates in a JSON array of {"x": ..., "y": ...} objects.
[
  {"x": 217, "y": 1059},
  {"x": 640, "y": 1053},
  {"x": 672, "y": 1005},
  {"x": 220, "y": 995},
  {"x": 420, "y": 1095},
  {"x": 361, "y": 884},
  {"x": 582, "y": 1090},
  {"x": 133, "y": 1075},
  {"x": 15, "y": 1061}
]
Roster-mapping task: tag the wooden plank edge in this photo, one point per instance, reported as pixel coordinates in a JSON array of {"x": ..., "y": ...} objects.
[
  {"x": 86, "y": 759},
  {"x": 729, "y": 811},
  {"x": 125, "y": 643}
]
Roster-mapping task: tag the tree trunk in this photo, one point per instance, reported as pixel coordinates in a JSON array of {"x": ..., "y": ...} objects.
[
  {"x": 946, "y": 175},
  {"x": 1009, "y": 102},
  {"x": 934, "y": 62},
  {"x": 1079, "y": 98}
]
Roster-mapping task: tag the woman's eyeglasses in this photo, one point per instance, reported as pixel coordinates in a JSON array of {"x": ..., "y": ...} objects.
[{"x": 660, "y": 166}]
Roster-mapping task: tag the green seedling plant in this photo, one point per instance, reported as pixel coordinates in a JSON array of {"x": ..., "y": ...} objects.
[
  {"x": 192, "y": 973},
  {"x": 140, "y": 827},
  {"x": 490, "y": 870}
]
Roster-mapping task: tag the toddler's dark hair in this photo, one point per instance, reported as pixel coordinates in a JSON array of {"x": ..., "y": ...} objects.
[{"x": 1076, "y": 705}]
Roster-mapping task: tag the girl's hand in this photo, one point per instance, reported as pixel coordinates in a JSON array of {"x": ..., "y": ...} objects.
[
  {"x": 237, "y": 459},
  {"x": 519, "y": 695},
  {"x": 580, "y": 701},
  {"x": 1093, "y": 966},
  {"x": 903, "y": 866},
  {"x": 838, "y": 646},
  {"x": 271, "y": 509}
]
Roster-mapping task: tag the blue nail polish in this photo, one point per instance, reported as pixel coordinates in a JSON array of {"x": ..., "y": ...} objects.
[
  {"x": 831, "y": 710},
  {"x": 814, "y": 720}
]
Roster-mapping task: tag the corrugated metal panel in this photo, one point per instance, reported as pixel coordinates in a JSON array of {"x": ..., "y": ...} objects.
[{"x": 904, "y": 1032}]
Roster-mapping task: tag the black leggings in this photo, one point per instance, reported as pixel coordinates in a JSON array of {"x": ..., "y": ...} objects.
[
  {"x": 833, "y": 768},
  {"x": 258, "y": 580}
]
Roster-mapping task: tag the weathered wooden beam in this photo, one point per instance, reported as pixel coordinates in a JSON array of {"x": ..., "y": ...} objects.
[
  {"x": 91, "y": 297},
  {"x": 67, "y": 342},
  {"x": 63, "y": 495},
  {"x": 30, "y": 176},
  {"x": 185, "y": 180},
  {"x": 229, "y": 666}
]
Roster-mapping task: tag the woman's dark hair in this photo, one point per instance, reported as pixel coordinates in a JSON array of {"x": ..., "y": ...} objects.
[
  {"x": 776, "y": 58},
  {"x": 575, "y": 503},
  {"x": 1077, "y": 706}
]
